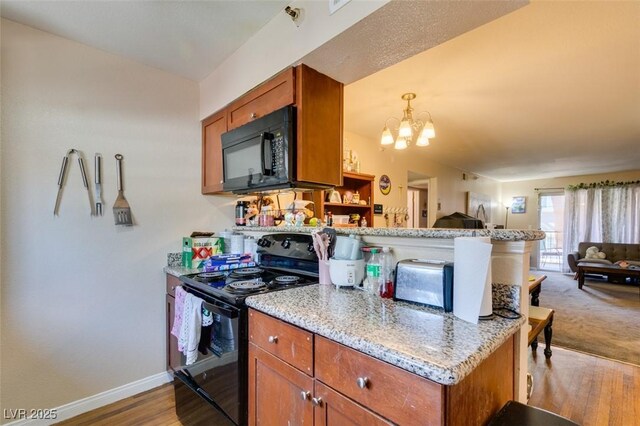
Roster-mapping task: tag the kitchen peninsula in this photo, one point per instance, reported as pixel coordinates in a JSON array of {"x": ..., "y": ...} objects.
[{"x": 510, "y": 261}]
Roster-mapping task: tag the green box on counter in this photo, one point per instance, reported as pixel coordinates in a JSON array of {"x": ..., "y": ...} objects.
[{"x": 196, "y": 250}]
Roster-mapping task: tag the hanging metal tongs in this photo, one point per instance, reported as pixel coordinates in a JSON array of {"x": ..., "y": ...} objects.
[{"x": 63, "y": 175}]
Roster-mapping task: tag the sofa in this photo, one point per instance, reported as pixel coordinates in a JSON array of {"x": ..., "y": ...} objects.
[{"x": 614, "y": 251}]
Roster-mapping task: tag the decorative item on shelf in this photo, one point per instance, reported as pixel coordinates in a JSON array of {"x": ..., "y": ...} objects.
[
  {"x": 409, "y": 130},
  {"x": 347, "y": 198},
  {"x": 333, "y": 196},
  {"x": 354, "y": 218},
  {"x": 355, "y": 199},
  {"x": 350, "y": 161}
]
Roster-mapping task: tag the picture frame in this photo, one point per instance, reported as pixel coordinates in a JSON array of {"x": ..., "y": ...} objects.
[
  {"x": 519, "y": 204},
  {"x": 479, "y": 205}
]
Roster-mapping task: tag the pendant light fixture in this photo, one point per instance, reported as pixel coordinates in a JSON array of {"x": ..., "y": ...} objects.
[{"x": 409, "y": 130}]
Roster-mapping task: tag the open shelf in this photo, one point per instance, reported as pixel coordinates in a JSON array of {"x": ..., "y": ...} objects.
[{"x": 360, "y": 182}]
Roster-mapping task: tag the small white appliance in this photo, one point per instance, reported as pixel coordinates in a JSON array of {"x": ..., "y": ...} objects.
[{"x": 346, "y": 273}]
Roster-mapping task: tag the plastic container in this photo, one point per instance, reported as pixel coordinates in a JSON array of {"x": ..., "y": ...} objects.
[
  {"x": 372, "y": 279},
  {"x": 386, "y": 274}
]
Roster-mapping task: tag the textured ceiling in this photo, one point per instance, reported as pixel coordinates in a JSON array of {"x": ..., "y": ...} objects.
[
  {"x": 549, "y": 90},
  {"x": 516, "y": 91},
  {"x": 187, "y": 38}
]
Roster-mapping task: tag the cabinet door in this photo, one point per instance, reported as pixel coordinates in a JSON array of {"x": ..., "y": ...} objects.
[
  {"x": 268, "y": 97},
  {"x": 319, "y": 127},
  {"x": 173, "y": 355},
  {"x": 278, "y": 393},
  {"x": 335, "y": 409},
  {"x": 212, "y": 129}
]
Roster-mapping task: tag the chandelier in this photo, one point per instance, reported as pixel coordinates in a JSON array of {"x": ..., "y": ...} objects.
[{"x": 409, "y": 130}]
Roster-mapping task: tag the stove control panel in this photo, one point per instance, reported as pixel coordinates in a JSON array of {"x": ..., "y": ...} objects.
[{"x": 295, "y": 246}]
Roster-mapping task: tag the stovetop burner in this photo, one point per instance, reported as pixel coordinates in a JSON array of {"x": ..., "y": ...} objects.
[
  {"x": 247, "y": 286},
  {"x": 210, "y": 276},
  {"x": 286, "y": 280},
  {"x": 246, "y": 272}
]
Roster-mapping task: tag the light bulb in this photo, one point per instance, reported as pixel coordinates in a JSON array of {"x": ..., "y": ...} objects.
[
  {"x": 429, "y": 131},
  {"x": 405, "y": 129},
  {"x": 422, "y": 140},
  {"x": 387, "y": 137},
  {"x": 401, "y": 143}
]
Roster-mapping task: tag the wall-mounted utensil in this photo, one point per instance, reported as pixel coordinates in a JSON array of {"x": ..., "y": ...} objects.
[
  {"x": 121, "y": 209},
  {"x": 61, "y": 179},
  {"x": 98, "y": 181},
  {"x": 63, "y": 175},
  {"x": 85, "y": 181}
]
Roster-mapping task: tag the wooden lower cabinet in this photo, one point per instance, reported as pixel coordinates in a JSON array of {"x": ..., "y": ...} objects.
[
  {"x": 347, "y": 387},
  {"x": 279, "y": 394},
  {"x": 333, "y": 408}
]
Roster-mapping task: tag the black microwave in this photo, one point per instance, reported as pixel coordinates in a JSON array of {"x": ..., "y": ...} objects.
[{"x": 260, "y": 155}]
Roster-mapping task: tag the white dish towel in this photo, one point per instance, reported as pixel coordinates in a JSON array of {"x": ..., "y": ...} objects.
[{"x": 190, "y": 329}]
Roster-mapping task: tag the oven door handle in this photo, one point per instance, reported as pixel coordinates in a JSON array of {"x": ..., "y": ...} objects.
[
  {"x": 214, "y": 305},
  {"x": 222, "y": 311},
  {"x": 266, "y": 159}
]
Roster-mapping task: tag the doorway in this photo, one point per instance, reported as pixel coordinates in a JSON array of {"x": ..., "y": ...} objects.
[
  {"x": 551, "y": 221},
  {"x": 421, "y": 190}
]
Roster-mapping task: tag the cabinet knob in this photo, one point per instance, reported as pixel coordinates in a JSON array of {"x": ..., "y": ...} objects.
[
  {"x": 305, "y": 395},
  {"x": 173, "y": 287},
  {"x": 317, "y": 401},
  {"x": 363, "y": 382},
  {"x": 253, "y": 115},
  {"x": 273, "y": 339}
]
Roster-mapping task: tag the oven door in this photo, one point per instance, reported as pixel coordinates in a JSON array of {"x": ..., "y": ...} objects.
[{"x": 217, "y": 376}]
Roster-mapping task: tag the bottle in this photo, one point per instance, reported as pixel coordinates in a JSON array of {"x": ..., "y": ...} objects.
[
  {"x": 386, "y": 274},
  {"x": 363, "y": 222},
  {"x": 241, "y": 210},
  {"x": 372, "y": 280}
]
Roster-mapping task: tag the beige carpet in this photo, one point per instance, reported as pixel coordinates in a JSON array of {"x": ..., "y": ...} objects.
[{"x": 601, "y": 319}]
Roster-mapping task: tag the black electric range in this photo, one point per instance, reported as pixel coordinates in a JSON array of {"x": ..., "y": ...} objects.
[{"x": 219, "y": 378}]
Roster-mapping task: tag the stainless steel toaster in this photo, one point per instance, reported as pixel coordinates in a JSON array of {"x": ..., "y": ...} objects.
[{"x": 427, "y": 282}]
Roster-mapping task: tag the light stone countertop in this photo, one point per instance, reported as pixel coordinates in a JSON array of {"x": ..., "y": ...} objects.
[
  {"x": 496, "y": 234},
  {"x": 176, "y": 271},
  {"x": 422, "y": 340}
]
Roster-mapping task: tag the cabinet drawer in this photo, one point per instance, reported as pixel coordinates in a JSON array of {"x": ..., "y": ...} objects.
[
  {"x": 268, "y": 97},
  {"x": 172, "y": 283},
  {"x": 396, "y": 394},
  {"x": 288, "y": 342}
]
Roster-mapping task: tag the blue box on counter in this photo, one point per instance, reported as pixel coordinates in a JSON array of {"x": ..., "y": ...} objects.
[{"x": 227, "y": 262}]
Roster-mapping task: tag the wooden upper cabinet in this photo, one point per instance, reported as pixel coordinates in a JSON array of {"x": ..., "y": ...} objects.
[
  {"x": 319, "y": 127},
  {"x": 268, "y": 97},
  {"x": 212, "y": 129},
  {"x": 318, "y": 102}
]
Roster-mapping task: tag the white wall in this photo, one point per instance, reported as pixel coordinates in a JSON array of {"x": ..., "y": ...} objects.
[
  {"x": 451, "y": 188},
  {"x": 82, "y": 300},
  {"x": 529, "y": 219},
  {"x": 279, "y": 44}
]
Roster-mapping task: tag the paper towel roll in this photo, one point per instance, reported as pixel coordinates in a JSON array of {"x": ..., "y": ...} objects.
[{"x": 472, "y": 278}]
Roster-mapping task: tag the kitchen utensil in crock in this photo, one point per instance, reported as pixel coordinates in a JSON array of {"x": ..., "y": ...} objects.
[{"x": 121, "y": 209}]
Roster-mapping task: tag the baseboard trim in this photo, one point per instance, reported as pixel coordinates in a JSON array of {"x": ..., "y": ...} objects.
[{"x": 75, "y": 408}]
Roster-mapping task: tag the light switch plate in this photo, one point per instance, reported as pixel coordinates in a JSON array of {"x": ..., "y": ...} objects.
[{"x": 336, "y": 4}]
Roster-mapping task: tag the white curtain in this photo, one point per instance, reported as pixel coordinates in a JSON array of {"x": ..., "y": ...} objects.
[{"x": 607, "y": 214}]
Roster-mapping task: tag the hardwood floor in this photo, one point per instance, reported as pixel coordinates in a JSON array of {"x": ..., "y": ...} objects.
[{"x": 584, "y": 388}]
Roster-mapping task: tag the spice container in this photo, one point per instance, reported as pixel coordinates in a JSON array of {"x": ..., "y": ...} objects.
[{"x": 241, "y": 211}]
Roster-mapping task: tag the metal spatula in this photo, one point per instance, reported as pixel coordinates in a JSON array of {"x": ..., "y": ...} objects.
[{"x": 121, "y": 209}]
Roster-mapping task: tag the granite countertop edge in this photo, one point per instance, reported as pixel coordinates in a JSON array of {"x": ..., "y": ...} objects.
[
  {"x": 496, "y": 234},
  {"x": 432, "y": 369},
  {"x": 176, "y": 271}
]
